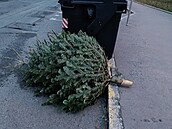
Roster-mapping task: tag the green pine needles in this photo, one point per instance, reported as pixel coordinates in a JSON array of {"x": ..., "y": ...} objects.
[{"x": 70, "y": 68}]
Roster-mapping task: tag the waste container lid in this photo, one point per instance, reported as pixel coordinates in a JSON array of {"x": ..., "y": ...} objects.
[
  {"x": 94, "y": 1},
  {"x": 86, "y": 1}
]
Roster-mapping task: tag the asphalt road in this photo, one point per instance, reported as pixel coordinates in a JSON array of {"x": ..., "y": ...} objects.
[
  {"x": 22, "y": 22},
  {"x": 143, "y": 54}
]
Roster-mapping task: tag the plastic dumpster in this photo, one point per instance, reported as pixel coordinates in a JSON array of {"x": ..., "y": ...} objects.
[{"x": 98, "y": 18}]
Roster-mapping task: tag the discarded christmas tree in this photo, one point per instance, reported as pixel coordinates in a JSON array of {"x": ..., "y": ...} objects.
[{"x": 70, "y": 68}]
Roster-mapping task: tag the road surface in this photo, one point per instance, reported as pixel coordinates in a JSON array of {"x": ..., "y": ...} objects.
[{"x": 22, "y": 22}]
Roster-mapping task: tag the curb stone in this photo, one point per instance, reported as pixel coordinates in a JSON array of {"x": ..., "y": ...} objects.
[
  {"x": 114, "y": 108},
  {"x": 114, "y": 111}
]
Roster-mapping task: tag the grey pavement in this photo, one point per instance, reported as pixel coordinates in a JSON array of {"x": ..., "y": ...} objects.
[
  {"x": 143, "y": 54},
  {"x": 20, "y": 27}
]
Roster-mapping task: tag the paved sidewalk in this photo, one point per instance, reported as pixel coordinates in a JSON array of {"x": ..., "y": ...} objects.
[{"x": 143, "y": 54}]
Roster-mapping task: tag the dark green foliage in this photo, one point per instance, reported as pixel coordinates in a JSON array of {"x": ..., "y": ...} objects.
[{"x": 70, "y": 68}]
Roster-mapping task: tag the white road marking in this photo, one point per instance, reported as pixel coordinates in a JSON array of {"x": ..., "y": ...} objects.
[
  {"x": 53, "y": 19},
  {"x": 60, "y": 12},
  {"x": 127, "y": 15}
]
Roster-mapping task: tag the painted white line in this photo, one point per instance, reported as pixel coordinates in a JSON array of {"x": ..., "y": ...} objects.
[
  {"x": 53, "y": 19},
  {"x": 124, "y": 17},
  {"x": 59, "y": 12}
]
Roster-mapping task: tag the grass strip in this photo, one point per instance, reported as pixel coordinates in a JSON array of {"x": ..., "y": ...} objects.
[{"x": 163, "y": 4}]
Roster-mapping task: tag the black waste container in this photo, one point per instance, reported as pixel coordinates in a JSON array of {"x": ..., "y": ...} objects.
[{"x": 98, "y": 18}]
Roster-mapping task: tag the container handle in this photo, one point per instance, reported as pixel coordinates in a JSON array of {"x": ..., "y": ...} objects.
[{"x": 67, "y": 6}]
